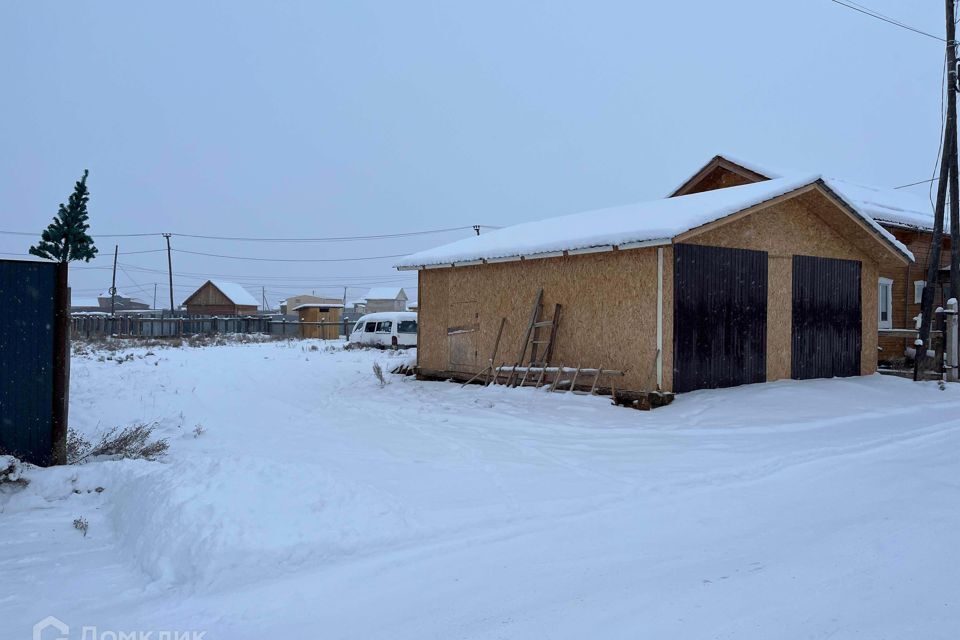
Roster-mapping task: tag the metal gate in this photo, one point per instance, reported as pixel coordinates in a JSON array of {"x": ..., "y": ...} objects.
[
  {"x": 720, "y": 317},
  {"x": 27, "y": 351},
  {"x": 827, "y": 321}
]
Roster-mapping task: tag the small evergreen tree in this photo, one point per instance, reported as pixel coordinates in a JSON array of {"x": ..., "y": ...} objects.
[{"x": 66, "y": 239}]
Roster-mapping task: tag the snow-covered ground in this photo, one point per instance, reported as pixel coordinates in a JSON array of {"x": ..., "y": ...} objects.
[{"x": 316, "y": 504}]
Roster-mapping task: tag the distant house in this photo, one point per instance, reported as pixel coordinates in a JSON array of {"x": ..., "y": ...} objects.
[
  {"x": 357, "y": 306},
  {"x": 289, "y": 306},
  {"x": 101, "y": 304},
  {"x": 84, "y": 305},
  {"x": 218, "y": 298},
  {"x": 385, "y": 299},
  {"x": 121, "y": 302}
]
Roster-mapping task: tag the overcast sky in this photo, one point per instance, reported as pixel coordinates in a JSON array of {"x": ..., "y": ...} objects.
[{"x": 316, "y": 119}]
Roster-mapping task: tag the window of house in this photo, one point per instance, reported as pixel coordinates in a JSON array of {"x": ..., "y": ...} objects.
[
  {"x": 885, "y": 303},
  {"x": 918, "y": 286}
]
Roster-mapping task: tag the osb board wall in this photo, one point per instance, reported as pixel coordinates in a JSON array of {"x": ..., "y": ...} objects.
[
  {"x": 903, "y": 276},
  {"x": 718, "y": 178},
  {"x": 608, "y": 316},
  {"x": 808, "y": 224}
]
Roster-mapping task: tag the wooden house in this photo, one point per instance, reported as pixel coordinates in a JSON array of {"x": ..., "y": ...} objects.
[
  {"x": 314, "y": 319},
  {"x": 219, "y": 298},
  {"x": 744, "y": 284},
  {"x": 908, "y": 217}
]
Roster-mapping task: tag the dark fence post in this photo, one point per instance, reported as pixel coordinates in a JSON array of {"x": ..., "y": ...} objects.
[{"x": 61, "y": 365}]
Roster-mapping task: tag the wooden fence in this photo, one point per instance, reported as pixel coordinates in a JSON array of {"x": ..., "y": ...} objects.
[{"x": 130, "y": 326}]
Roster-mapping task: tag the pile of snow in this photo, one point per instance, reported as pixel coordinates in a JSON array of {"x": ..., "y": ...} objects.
[
  {"x": 220, "y": 521},
  {"x": 11, "y": 469}
]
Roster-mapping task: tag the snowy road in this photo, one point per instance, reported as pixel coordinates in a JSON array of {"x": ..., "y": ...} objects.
[{"x": 316, "y": 504}]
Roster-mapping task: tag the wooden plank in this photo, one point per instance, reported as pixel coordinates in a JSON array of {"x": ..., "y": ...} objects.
[
  {"x": 556, "y": 380},
  {"x": 573, "y": 383},
  {"x": 496, "y": 347},
  {"x": 548, "y": 354},
  {"x": 533, "y": 319},
  {"x": 596, "y": 379}
]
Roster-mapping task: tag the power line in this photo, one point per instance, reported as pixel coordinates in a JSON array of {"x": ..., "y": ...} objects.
[
  {"x": 218, "y": 255},
  {"x": 381, "y": 236},
  {"x": 849, "y": 4},
  {"x": 99, "y": 235},
  {"x": 258, "y": 277},
  {"x": 913, "y": 184}
]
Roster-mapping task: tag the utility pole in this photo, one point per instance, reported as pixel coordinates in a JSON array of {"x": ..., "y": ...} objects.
[
  {"x": 113, "y": 282},
  {"x": 154, "y": 295},
  {"x": 948, "y": 178},
  {"x": 170, "y": 272},
  {"x": 263, "y": 297},
  {"x": 952, "y": 88}
]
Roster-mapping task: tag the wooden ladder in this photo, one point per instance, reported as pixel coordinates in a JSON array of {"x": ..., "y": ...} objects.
[
  {"x": 539, "y": 340},
  {"x": 583, "y": 375}
]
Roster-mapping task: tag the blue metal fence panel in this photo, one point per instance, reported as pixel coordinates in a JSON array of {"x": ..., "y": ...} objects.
[{"x": 26, "y": 358}]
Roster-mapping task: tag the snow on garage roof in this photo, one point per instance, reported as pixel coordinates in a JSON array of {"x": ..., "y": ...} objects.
[
  {"x": 892, "y": 207},
  {"x": 237, "y": 294},
  {"x": 628, "y": 226}
]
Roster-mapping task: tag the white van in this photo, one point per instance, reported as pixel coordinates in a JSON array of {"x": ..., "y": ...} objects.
[{"x": 386, "y": 329}]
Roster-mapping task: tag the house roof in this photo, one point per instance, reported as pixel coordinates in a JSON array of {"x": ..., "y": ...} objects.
[
  {"x": 121, "y": 295},
  {"x": 389, "y": 315},
  {"x": 892, "y": 207},
  {"x": 624, "y": 227},
  {"x": 237, "y": 294},
  {"x": 385, "y": 293},
  {"x": 314, "y": 305},
  {"x": 84, "y": 302},
  {"x": 234, "y": 293}
]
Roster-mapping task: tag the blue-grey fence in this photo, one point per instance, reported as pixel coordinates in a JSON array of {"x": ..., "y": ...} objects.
[{"x": 133, "y": 326}]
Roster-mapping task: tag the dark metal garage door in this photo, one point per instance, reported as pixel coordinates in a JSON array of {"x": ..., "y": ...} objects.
[
  {"x": 827, "y": 322},
  {"x": 720, "y": 317}
]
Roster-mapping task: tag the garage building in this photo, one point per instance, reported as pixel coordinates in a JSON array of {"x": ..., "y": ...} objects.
[{"x": 739, "y": 285}]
